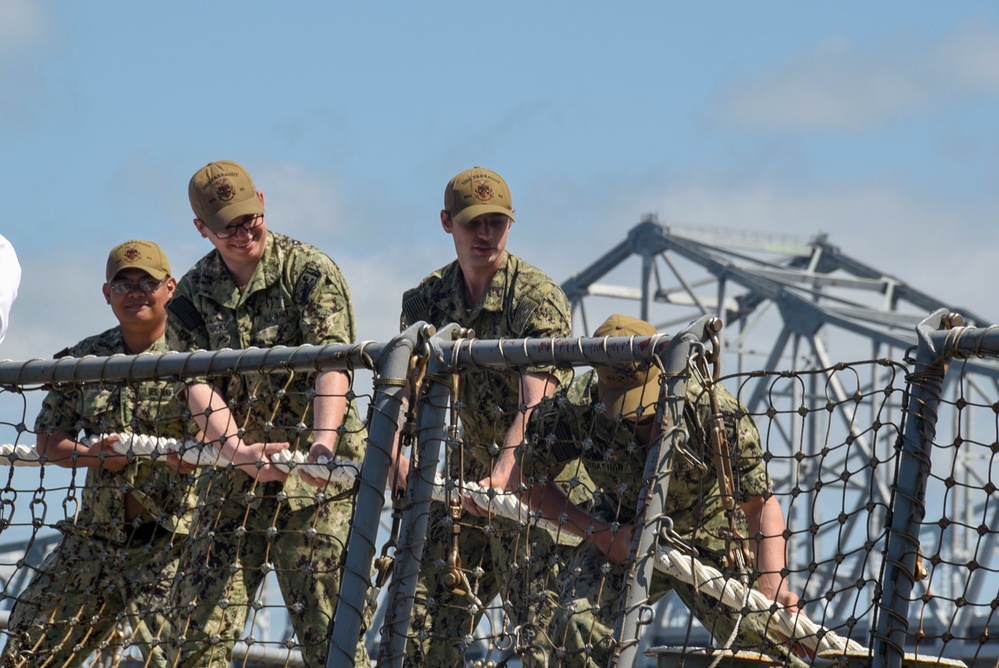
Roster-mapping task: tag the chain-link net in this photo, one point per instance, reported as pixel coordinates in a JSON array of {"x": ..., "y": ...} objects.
[
  {"x": 131, "y": 542},
  {"x": 673, "y": 507}
]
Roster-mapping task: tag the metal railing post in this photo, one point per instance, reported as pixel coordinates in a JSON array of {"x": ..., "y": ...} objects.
[
  {"x": 390, "y": 369},
  {"x": 637, "y": 612},
  {"x": 909, "y": 497},
  {"x": 431, "y": 434}
]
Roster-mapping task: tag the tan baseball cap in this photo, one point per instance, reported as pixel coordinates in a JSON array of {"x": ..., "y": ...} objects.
[
  {"x": 138, "y": 254},
  {"x": 624, "y": 388},
  {"x": 220, "y": 192},
  {"x": 477, "y": 191}
]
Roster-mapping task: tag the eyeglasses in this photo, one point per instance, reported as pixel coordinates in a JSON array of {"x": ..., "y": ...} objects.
[
  {"x": 147, "y": 285},
  {"x": 248, "y": 224}
]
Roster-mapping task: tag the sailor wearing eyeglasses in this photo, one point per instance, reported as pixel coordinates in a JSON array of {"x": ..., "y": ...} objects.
[
  {"x": 119, "y": 554},
  {"x": 263, "y": 289}
]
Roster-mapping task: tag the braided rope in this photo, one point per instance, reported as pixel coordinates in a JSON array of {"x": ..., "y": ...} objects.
[
  {"x": 795, "y": 626},
  {"x": 19, "y": 455},
  {"x": 342, "y": 472}
]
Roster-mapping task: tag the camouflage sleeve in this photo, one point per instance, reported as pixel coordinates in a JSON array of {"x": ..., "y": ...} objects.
[
  {"x": 59, "y": 411},
  {"x": 186, "y": 329},
  {"x": 745, "y": 446},
  {"x": 544, "y": 313},
  {"x": 551, "y": 438},
  {"x": 752, "y": 471},
  {"x": 61, "y": 407},
  {"x": 323, "y": 297},
  {"x": 152, "y": 407},
  {"x": 582, "y": 390}
]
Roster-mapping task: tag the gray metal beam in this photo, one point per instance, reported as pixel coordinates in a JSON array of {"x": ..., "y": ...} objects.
[{"x": 390, "y": 376}]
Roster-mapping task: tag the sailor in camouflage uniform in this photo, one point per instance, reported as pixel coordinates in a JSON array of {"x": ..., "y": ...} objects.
[
  {"x": 497, "y": 295},
  {"x": 259, "y": 288},
  {"x": 119, "y": 554},
  {"x": 606, "y": 418}
]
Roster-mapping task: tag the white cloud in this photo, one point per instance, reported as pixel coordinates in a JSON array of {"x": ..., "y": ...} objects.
[
  {"x": 843, "y": 87},
  {"x": 301, "y": 203},
  {"x": 969, "y": 58},
  {"x": 377, "y": 283},
  {"x": 142, "y": 183},
  {"x": 22, "y": 23},
  {"x": 26, "y": 41}
]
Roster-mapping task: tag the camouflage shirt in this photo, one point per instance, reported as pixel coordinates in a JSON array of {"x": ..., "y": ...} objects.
[
  {"x": 521, "y": 302},
  {"x": 570, "y": 425},
  {"x": 140, "y": 408},
  {"x": 296, "y": 296}
]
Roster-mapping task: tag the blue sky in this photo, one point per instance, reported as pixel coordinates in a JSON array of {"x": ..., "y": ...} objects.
[{"x": 875, "y": 124}]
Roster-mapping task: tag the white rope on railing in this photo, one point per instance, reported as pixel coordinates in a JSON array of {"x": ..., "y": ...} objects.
[
  {"x": 795, "y": 626},
  {"x": 502, "y": 504},
  {"x": 19, "y": 455},
  {"x": 342, "y": 473}
]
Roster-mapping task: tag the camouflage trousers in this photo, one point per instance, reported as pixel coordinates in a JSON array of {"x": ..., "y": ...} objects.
[
  {"x": 498, "y": 558},
  {"x": 591, "y": 601},
  {"x": 86, "y": 588},
  {"x": 233, "y": 547}
]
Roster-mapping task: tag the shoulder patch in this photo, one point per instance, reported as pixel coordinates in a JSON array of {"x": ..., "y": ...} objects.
[
  {"x": 564, "y": 447},
  {"x": 184, "y": 309},
  {"x": 306, "y": 284},
  {"x": 523, "y": 314},
  {"x": 415, "y": 307}
]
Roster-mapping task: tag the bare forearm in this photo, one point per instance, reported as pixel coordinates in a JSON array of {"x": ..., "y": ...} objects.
[
  {"x": 613, "y": 540},
  {"x": 214, "y": 420},
  {"x": 766, "y": 524},
  {"x": 533, "y": 388},
  {"x": 61, "y": 448},
  {"x": 216, "y": 424},
  {"x": 505, "y": 467},
  {"x": 329, "y": 406},
  {"x": 398, "y": 477},
  {"x": 555, "y": 506}
]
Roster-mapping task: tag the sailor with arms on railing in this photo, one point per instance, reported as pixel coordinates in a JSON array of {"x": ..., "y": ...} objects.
[
  {"x": 607, "y": 419},
  {"x": 497, "y": 295},
  {"x": 119, "y": 554},
  {"x": 259, "y": 288}
]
